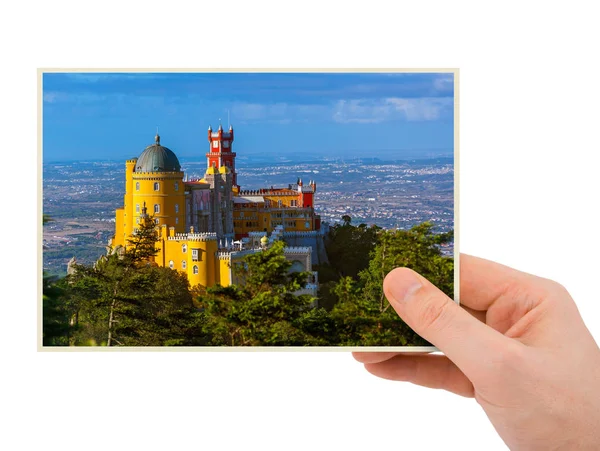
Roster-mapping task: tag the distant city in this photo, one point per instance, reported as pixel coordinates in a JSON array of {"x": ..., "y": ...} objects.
[{"x": 81, "y": 197}]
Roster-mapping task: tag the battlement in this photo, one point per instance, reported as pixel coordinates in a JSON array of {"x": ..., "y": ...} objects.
[
  {"x": 297, "y": 250},
  {"x": 224, "y": 255},
  {"x": 267, "y": 191},
  {"x": 203, "y": 236},
  {"x": 308, "y": 233},
  {"x": 132, "y": 160},
  {"x": 158, "y": 174}
]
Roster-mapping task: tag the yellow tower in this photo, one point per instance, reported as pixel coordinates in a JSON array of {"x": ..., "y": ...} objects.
[{"x": 153, "y": 180}]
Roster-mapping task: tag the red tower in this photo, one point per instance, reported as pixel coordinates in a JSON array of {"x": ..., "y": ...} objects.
[{"x": 220, "y": 153}]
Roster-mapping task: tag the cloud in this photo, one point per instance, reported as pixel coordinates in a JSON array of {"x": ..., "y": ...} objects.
[
  {"x": 365, "y": 111},
  {"x": 281, "y": 112},
  {"x": 444, "y": 83},
  {"x": 96, "y": 77}
]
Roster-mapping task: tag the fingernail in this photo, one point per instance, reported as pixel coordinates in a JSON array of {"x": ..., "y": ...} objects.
[{"x": 404, "y": 285}]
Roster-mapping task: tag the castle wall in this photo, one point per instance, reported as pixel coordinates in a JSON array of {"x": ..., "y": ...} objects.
[{"x": 312, "y": 239}]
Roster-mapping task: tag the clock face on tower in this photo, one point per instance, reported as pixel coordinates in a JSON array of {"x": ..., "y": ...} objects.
[
  {"x": 216, "y": 144},
  {"x": 226, "y": 144}
]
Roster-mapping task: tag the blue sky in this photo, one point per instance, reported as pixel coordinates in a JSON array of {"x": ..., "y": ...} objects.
[{"x": 114, "y": 115}]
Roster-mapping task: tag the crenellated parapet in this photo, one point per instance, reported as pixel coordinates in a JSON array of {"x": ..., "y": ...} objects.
[
  {"x": 297, "y": 250},
  {"x": 305, "y": 234},
  {"x": 158, "y": 175},
  {"x": 204, "y": 236}
]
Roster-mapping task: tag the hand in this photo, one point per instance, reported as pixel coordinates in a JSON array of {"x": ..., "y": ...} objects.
[{"x": 518, "y": 346}]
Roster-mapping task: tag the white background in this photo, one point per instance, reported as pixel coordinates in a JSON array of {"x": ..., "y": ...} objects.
[{"x": 529, "y": 117}]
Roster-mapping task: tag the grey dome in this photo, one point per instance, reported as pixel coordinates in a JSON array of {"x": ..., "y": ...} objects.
[{"x": 156, "y": 158}]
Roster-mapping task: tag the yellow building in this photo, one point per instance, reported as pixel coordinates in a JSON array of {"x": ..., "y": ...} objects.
[{"x": 205, "y": 224}]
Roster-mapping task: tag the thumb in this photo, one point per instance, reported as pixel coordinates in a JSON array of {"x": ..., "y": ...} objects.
[{"x": 465, "y": 340}]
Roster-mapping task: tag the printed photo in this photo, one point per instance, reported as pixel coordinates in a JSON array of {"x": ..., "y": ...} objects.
[{"x": 242, "y": 209}]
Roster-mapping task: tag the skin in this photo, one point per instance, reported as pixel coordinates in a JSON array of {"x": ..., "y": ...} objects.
[{"x": 517, "y": 344}]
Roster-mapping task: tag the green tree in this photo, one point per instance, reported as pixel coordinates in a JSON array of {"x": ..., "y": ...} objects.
[
  {"x": 262, "y": 309},
  {"x": 56, "y": 314},
  {"x": 362, "y": 314},
  {"x": 127, "y": 300}
]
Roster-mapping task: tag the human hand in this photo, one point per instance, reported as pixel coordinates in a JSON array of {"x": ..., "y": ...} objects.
[{"x": 518, "y": 346}]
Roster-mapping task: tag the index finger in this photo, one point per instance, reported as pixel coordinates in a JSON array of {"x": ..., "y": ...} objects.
[{"x": 483, "y": 282}]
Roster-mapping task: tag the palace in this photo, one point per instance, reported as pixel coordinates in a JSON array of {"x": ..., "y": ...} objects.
[{"x": 206, "y": 224}]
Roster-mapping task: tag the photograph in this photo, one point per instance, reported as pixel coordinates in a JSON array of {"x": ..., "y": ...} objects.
[{"x": 243, "y": 209}]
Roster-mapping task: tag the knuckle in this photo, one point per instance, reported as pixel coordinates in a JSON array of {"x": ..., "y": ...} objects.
[
  {"x": 510, "y": 357},
  {"x": 434, "y": 314}
]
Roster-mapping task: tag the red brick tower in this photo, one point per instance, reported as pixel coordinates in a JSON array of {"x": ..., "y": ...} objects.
[{"x": 220, "y": 153}]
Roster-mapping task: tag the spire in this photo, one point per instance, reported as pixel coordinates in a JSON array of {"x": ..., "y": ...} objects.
[
  {"x": 157, "y": 137},
  {"x": 220, "y": 126}
]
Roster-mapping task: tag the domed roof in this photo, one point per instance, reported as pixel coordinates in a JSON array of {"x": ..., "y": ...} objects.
[
  {"x": 264, "y": 240},
  {"x": 224, "y": 170},
  {"x": 156, "y": 158}
]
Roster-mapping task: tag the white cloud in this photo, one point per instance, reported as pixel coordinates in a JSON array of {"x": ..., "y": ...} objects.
[
  {"x": 283, "y": 113},
  {"x": 392, "y": 108},
  {"x": 444, "y": 83},
  {"x": 422, "y": 109}
]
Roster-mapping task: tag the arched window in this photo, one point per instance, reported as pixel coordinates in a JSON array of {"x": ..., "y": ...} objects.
[
  {"x": 156, "y": 208},
  {"x": 182, "y": 264},
  {"x": 156, "y": 221},
  {"x": 137, "y": 186},
  {"x": 195, "y": 269},
  {"x": 184, "y": 248},
  {"x": 171, "y": 264},
  {"x": 156, "y": 186},
  {"x": 137, "y": 208},
  {"x": 176, "y": 220},
  {"x": 176, "y": 208},
  {"x": 176, "y": 186}
]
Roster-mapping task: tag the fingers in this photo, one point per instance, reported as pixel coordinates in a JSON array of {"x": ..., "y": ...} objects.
[
  {"x": 433, "y": 371},
  {"x": 376, "y": 357},
  {"x": 482, "y": 282},
  {"x": 469, "y": 343},
  {"x": 481, "y": 316}
]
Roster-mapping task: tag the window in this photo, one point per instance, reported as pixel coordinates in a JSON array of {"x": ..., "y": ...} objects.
[
  {"x": 137, "y": 208},
  {"x": 171, "y": 264},
  {"x": 156, "y": 221},
  {"x": 195, "y": 255},
  {"x": 137, "y": 220},
  {"x": 183, "y": 265},
  {"x": 216, "y": 144},
  {"x": 294, "y": 203},
  {"x": 176, "y": 186},
  {"x": 195, "y": 269},
  {"x": 279, "y": 203},
  {"x": 184, "y": 248},
  {"x": 137, "y": 186},
  {"x": 307, "y": 224},
  {"x": 241, "y": 214},
  {"x": 176, "y": 220},
  {"x": 156, "y": 208},
  {"x": 156, "y": 186},
  {"x": 176, "y": 208}
]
